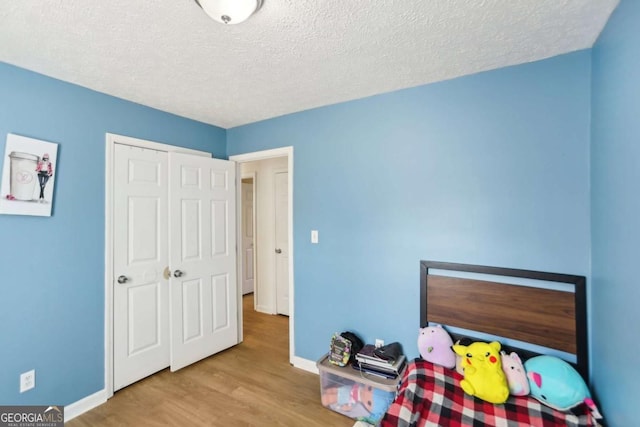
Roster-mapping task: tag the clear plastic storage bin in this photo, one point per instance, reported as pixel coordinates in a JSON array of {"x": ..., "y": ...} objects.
[{"x": 357, "y": 395}]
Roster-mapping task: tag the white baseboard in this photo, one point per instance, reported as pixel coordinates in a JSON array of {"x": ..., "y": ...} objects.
[
  {"x": 305, "y": 364},
  {"x": 83, "y": 405}
]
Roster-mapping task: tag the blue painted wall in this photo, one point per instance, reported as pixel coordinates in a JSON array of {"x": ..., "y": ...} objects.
[
  {"x": 52, "y": 285},
  {"x": 615, "y": 213},
  {"x": 489, "y": 169}
]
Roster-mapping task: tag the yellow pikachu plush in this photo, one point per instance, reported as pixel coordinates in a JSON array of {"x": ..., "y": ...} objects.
[{"x": 483, "y": 374}]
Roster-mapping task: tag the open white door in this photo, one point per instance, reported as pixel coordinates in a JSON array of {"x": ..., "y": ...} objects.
[{"x": 202, "y": 214}]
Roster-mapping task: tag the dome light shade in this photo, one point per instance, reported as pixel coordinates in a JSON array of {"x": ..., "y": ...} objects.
[{"x": 230, "y": 11}]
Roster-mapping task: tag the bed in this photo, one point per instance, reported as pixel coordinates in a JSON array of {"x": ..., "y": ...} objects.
[{"x": 554, "y": 319}]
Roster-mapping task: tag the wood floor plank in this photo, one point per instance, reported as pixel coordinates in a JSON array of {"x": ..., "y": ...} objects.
[{"x": 251, "y": 384}]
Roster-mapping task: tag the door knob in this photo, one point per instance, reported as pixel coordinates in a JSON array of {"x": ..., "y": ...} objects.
[
  {"x": 123, "y": 279},
  {"x": 178, "y": 273},
  {"x": 278, "y": 251}
]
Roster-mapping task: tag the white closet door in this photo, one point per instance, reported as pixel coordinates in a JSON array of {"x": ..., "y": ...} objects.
[
  {"x": 203, "y": 257},
  {"x": 140, "y": 242}
]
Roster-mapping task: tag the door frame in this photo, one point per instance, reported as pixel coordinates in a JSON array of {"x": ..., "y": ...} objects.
[
  {"x": 264, "y": 155},
  {"x": 111, "y": 141}
]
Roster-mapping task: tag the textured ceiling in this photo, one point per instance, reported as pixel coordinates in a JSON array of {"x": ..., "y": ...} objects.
[{"x": 292, "y": 55}]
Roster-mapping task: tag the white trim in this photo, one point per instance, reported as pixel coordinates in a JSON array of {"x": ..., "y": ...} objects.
[
  {"x": 111, "y": 141},
  {"x": 269, "y": 154},
  {"x": 262, "y": 155},
  {"x": 84, "y": 405},
  {"x": 239, "y": 258},
  {"x": 151, "y": 145},
  {"x": 305, "y": 365}
]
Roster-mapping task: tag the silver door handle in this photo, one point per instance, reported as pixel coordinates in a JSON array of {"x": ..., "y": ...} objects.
[
  {"x": 278, "y": 251},
  {"x": 123, "y": 279},
  {"x": 178, "y": 273}
]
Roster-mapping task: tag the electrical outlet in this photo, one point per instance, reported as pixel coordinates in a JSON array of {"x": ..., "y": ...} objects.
[
  {"x": 27, "y": 380},
  {"x": 379, "y": 343}
]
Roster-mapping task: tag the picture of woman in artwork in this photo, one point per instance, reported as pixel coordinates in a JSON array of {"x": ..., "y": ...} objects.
[{"x": 45, "y": 171}]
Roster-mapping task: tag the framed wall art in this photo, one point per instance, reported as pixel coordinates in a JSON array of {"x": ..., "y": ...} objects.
[{"x": 28, "y": 176}]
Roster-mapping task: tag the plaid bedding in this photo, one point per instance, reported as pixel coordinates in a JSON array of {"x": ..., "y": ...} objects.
[{"x": 430, "y": 395}]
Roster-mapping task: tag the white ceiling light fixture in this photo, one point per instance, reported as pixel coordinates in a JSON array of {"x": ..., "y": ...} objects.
[{"x": 230, "y": 11}]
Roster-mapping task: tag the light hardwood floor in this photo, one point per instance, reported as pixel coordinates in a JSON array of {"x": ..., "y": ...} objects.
[{"x": 251, "y": 384}]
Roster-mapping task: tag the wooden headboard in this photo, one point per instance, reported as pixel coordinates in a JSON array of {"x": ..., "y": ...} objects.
[{"x": 555, "y": 319}]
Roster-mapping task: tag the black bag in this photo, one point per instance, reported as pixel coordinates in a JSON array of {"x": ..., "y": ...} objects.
[{"x": 390, "y": 352}]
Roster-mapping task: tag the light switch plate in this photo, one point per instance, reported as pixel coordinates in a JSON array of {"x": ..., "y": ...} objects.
[{"x": 314, "y": 236}]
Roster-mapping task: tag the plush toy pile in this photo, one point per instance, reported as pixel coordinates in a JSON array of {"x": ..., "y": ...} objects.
[{"x": 493, "y": 376}]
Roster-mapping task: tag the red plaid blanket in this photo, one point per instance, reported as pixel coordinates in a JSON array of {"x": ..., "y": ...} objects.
[{"x": 430, "y": 395}]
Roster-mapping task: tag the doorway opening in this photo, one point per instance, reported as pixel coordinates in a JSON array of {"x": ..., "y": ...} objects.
[{"x": 271, "y": 173}]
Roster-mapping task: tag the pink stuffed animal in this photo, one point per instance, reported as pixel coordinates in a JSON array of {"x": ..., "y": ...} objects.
[
  {"x": 516, "y": 374},
  {"x": 434, "y": 344}
]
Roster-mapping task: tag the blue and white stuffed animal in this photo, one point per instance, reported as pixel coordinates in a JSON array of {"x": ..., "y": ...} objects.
[{"x": 556, "y": 384}]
